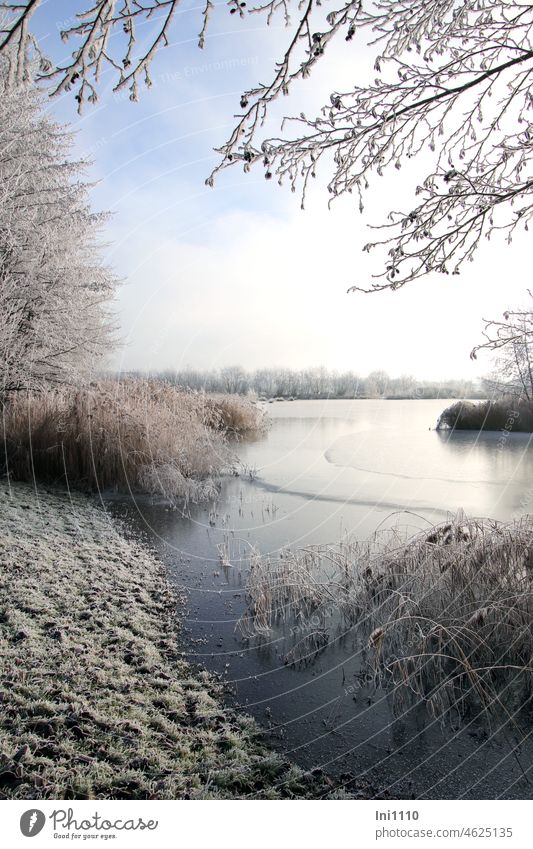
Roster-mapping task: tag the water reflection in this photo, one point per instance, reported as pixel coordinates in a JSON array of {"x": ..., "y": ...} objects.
[{"x": 506, "y": 461}]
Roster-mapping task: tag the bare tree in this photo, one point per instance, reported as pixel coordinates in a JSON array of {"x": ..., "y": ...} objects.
[
  {"x": 55, "y": 290},
  {"x": 234, "y": 379},
  {"x": 511, "y": 339},
  {"x": 314, "y": 383},
  {"x": 377, "y": 384},
  {"x": 453, "y": 79}
]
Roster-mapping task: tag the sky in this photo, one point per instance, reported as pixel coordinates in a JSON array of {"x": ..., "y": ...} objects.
[{"x": 239, "y": 274}]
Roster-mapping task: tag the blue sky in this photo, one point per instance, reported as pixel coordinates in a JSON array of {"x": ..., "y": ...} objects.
[{"x": 238, "y": 273}]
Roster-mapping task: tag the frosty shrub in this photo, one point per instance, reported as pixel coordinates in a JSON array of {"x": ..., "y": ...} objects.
[{"x": 134, "y": 435}]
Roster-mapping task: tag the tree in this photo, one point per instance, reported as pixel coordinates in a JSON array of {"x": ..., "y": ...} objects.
[
  {"x": 511, "y": 339},
  {"x": 377, "y": 383},
  {"x": 453, "y": 79},
  {"x": 55, "y": 290},
  {"x": 234, "y": 379}
]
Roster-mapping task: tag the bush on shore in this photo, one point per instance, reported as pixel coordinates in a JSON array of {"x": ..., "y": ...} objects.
[
  {"x": 446, "y": 615},
  {"x": 505, "y": 414},
  {"x": 134, "y": 435}
]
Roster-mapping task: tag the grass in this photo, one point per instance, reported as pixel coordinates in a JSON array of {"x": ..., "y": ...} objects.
[
  {"x": 97, "y": 702},
  {"x": 506, "y": 414},
  {"x": 445, "y": 616},
  {"x": 138, "y": 435}
]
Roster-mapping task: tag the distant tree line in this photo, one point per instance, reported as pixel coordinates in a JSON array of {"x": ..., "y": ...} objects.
[{"x": 315, "y": 383}]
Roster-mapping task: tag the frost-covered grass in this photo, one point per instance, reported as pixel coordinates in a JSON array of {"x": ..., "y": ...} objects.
[
  {"x": 96, "y": 700},
  {"x": 139, "y": 435},
  {"x": 446, "y": 616}
]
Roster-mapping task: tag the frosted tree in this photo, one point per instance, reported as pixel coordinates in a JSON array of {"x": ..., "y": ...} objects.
[
  {"x": 510, "y": 339},
  {"x": 452, "y": 78},
  {"x": 55, "y": 290},
  {"x": 234, "y": 379},
  {"x": 377, "y": 383}
]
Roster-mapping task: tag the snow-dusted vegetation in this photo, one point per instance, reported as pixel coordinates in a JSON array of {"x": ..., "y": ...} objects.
[
  {"x": 446, "y": 615},
  {"x": 507, "y": 415},
  {"x": 317, "y": 382},
  {"x": 129, "y": 435},
  {"x": 446, "y": 75},
  {"x": 112, "y": 710},
  {"x": 56, "y": 291},
  {"x": 57, "y": 326}
]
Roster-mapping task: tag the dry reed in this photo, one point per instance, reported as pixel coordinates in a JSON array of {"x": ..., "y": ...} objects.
[
  {"x": 508, "y": 413},
  {"x": 134, "y": 435},
  {"x": 445, "y": 617}
]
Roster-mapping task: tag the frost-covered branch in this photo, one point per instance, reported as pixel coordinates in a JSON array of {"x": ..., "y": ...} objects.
[
  {"x": 451, "y": 81},
  {"x": 511, "y": 339}
]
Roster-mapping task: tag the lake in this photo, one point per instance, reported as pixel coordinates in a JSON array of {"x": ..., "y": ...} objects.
[{"x": 325, "y": 469}]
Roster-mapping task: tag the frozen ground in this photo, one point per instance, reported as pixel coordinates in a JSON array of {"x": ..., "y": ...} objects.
[{"x": 96, "y": 702}]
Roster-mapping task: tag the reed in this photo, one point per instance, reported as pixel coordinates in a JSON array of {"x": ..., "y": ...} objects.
[
  {"x": 133, "y": 435},
  {"x": 444, "y": 618},
  {"x": 234, "y": 414},
  {"x": 505, "y": 414}
]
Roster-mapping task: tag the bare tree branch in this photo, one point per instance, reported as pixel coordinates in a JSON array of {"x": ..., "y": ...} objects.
[
  {"x": 511, "y": 339},
  {"x": 453, "y": 80}
]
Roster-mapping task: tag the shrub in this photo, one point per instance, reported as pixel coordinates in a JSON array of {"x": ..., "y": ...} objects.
[{"x": 135, "y": 435}]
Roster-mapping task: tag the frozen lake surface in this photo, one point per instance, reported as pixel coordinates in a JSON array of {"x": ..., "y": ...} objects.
[{"x": 325, "y": 469}]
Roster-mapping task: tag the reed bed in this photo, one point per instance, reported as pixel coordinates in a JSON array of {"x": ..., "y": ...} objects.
[
  {"x": 505, "y": 414},
  {"x": 445, "y": 617},
  {"x": 134, "y": 435},
  {"x": 235, "y": 415}
]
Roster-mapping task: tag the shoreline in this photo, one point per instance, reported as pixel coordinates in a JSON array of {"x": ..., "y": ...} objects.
[{"x": 97, "y": 699}]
